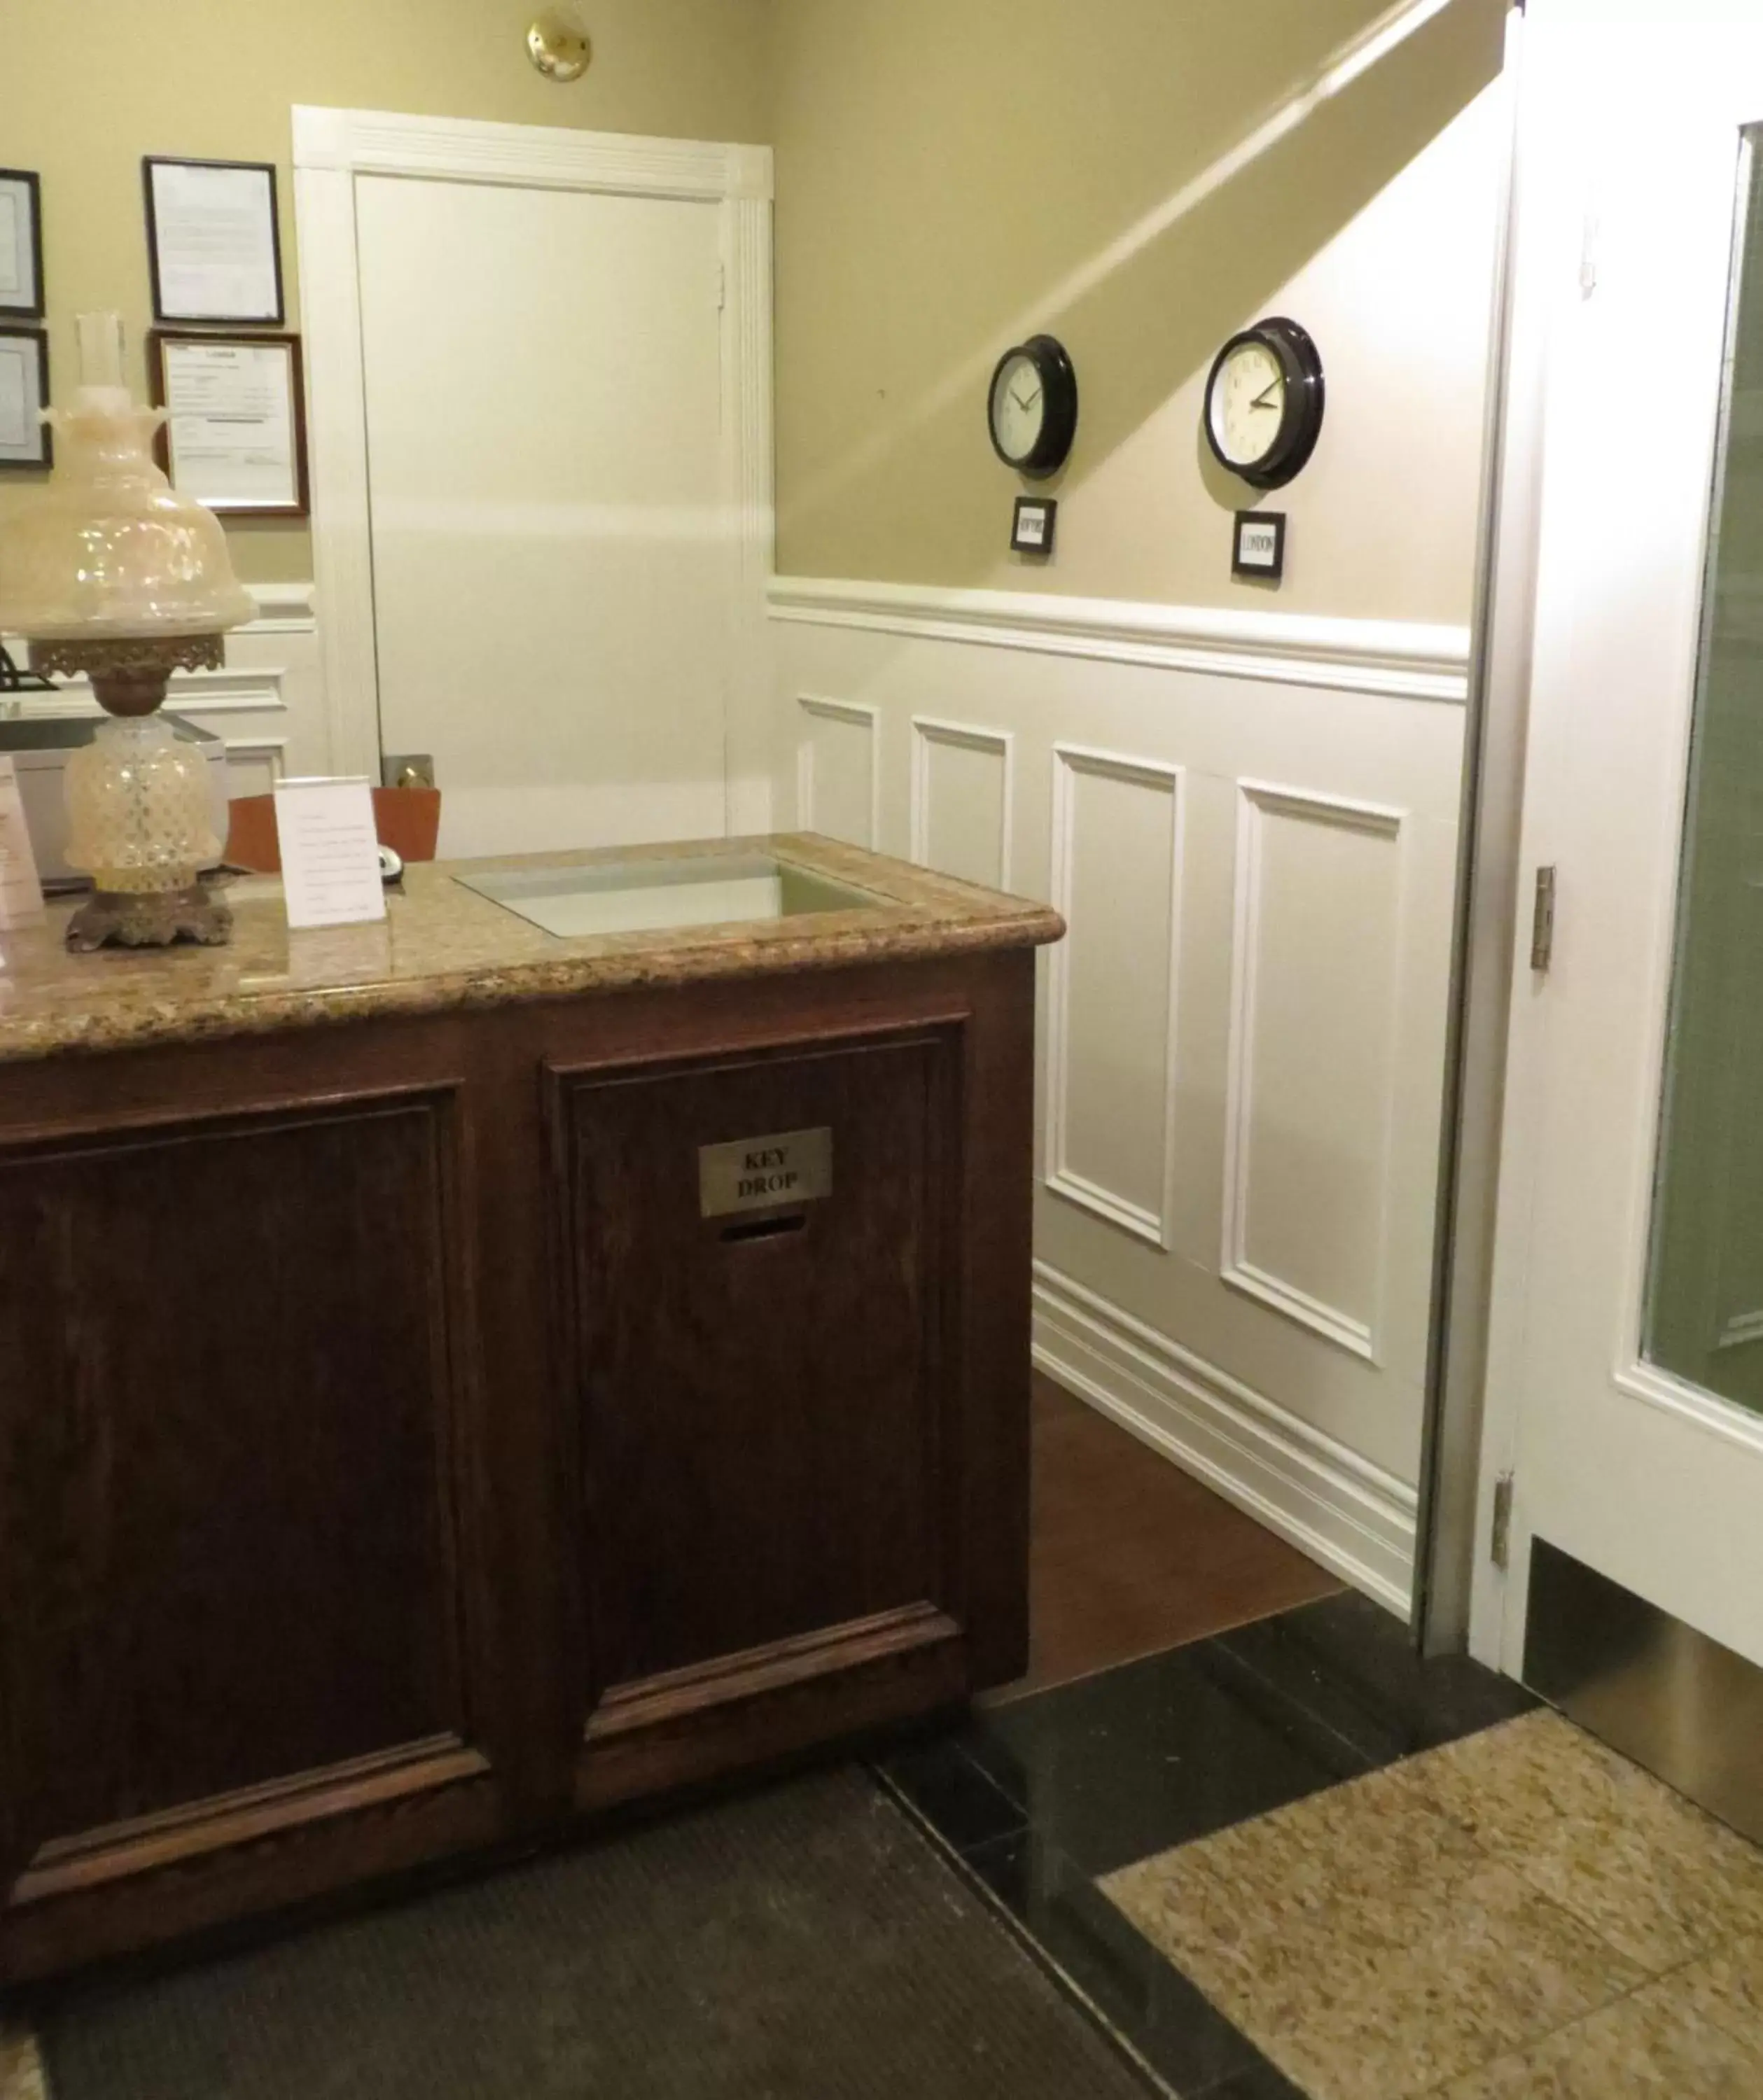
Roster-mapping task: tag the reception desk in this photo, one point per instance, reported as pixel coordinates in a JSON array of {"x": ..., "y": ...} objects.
[{"x": 458, "y": 1376}]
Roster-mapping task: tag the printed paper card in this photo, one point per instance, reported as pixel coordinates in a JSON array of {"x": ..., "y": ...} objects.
[{"x": 329, "y": 853}]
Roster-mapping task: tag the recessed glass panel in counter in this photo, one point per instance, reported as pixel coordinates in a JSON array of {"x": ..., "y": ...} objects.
[{"x": 659, "y": 896}]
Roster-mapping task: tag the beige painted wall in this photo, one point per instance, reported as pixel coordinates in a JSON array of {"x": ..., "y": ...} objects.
[
  {"x": 953, "y": 175},
  {"x": 89, "y": 88}
]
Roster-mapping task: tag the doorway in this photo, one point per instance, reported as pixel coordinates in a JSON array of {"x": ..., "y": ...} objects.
[
  {"x": 542, "y": 411},
  {"x": 1624, "y": 1431}
]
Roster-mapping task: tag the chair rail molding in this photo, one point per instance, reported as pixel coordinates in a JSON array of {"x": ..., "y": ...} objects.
[
  {"x": 1400, "y": 659},
  {"x": 331, "y": 149}
]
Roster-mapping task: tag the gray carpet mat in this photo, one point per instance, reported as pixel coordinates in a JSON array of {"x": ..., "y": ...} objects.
[{"x": 804, "y": 1943}]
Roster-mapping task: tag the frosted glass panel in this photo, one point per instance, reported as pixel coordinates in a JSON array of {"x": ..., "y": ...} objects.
[{"x": 1704, "y": 1313}]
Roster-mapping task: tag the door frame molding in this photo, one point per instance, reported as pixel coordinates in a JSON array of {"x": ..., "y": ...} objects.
[{"x": 331, "y": 148}]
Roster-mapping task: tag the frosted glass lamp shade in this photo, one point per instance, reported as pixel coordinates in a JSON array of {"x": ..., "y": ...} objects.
[
  {"x": 111, "y": 572},
  {"x": 110, "y": 550}
]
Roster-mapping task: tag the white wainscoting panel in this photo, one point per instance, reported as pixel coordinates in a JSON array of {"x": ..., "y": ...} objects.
[
  {"x": 963, "y": 800},
  {"x": 1250, "y": 820},
  {"x": 1112, "y": 985},
  {"x": 253, "y": 767},
  {"x": 1313, "y": 973},
  {"x": 837, "y": 781}
]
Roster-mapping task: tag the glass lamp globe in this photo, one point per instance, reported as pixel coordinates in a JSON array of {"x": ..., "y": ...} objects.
[{"x": 113, "y": 573}]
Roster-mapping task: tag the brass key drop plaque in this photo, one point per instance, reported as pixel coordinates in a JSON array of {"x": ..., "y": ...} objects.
[{"x": 762, "y": 1173}]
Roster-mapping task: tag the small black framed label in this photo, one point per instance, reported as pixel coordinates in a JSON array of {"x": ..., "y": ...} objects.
[
  {"x": 1257, "y": 546},
  {"x": 1031, "y": 530}
]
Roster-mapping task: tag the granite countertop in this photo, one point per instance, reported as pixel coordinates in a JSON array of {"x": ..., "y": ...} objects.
[{"x": 443, "y": 947}]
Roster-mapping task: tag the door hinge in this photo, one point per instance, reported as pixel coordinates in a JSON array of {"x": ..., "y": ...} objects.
[
  {"x": 1500, "y": 1545},
  {"x": 722, "y": 286},
  {"x": 1543, "y": 920},
  {"x": 1590, "y": 237}
]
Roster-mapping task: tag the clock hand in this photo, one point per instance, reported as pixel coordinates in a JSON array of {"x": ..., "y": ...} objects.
[
  {"x": 1021, "y": 403},
  {"x": 1261, "y": 400}
]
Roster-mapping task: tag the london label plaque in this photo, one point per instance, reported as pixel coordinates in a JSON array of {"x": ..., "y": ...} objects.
[{"x": 764, "y": 1173}]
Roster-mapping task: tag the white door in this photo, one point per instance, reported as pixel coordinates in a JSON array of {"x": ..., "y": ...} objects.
[
  {"x": 554, "y": 548},
  {"x": 1629, "y": 1276}
]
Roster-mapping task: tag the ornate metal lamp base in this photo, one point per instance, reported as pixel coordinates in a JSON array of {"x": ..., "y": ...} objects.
[
  {"x": 129, "y": 677},
  {"x": 150, "y": 919}
]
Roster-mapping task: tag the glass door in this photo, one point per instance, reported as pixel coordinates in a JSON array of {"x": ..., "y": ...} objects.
[
  {"x": 1704, "y": 1301},
  {"x": 1625, "y": 1398}
]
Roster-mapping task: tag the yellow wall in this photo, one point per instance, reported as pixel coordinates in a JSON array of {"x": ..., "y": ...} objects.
[
  {"x": 953, "y": 174},
  {"x": 88, "y": 86}
]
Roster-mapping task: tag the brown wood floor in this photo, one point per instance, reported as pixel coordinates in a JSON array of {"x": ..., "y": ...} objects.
[{"x": 1129, "y": 1555}]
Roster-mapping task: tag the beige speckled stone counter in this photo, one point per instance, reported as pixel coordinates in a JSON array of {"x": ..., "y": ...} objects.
[{"x": 443, "y": 946}]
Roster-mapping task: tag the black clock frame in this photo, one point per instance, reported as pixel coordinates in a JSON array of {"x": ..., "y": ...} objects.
[
  {"x": 1059, "y": 426},
  {"x": 1300, "y": 425}
]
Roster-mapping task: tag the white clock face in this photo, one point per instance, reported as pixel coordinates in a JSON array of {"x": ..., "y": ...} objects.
[
  {"x": 1248, "y": 404},
  {"x": 1018, "y": 408}
]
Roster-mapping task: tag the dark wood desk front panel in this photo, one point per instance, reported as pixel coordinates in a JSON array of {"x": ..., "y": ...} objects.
[{"x": 394, "y": 1461}]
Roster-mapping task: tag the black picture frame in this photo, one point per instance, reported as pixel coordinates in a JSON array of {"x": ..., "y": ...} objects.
[
  {"x": 161, "y": 314},
  {"x": 1293, "y": 350},
  {"x": 213, "y": 338},
  {"x": 37, "y": 338},
  {"x": 1058, "y": 427},
  {"x": 33, "y": 189},
  {"x": 1260, "y": 570},
  {"x": 1032, "y": 526}
]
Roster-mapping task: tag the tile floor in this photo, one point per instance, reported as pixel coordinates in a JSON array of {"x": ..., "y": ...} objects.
[
  {"x": 1293, "y": 1863},
  {"x": 1289, "y": 1862},
  {"x": 1521, "y": 1912}
]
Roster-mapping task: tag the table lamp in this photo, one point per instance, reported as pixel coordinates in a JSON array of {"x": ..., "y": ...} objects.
[{"x": 115, "y": 574}]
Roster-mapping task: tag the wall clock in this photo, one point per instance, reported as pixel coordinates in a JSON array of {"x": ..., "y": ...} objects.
[
  {"x": 1032, "y": 410},
  {"x": 1264, "y": 403}
]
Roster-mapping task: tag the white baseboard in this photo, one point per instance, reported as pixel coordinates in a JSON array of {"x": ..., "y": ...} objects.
[{"x": 1335, "y": 1506}]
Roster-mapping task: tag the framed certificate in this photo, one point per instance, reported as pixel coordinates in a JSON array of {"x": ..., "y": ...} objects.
[
  {"x": 235, "y": 430},
  {"x": 25, "y": 439},
  {"x": 21, "y": 245},
  {"x": 213, "y": 247}
]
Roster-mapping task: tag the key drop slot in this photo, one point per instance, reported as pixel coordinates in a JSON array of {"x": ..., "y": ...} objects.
[{"x": 764, "y": 1229}]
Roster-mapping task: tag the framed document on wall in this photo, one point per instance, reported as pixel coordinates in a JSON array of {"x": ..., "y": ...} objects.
[
  {"x": 235, "y": 430},
  {"x": 25, "y": 439},
  {"x": 21, "y": 245},
  {"x": 213, "y": 247}
]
